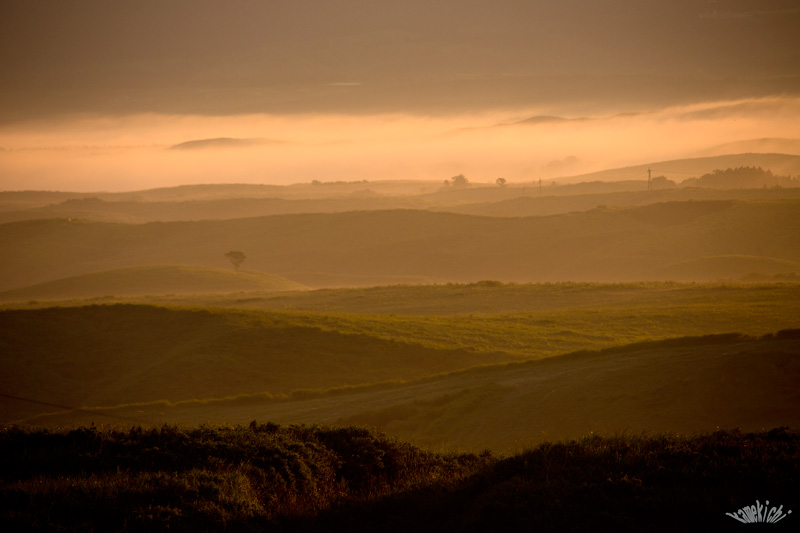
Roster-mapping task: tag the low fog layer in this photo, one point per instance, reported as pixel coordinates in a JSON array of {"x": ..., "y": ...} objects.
[{"x": 116, "y": 153}]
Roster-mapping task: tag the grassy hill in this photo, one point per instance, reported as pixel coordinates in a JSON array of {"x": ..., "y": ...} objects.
[
  {"x": 465, "y": 303},
  {"x": 134, "y": 212},
  {"x": 569, "y": 198},
  {"x": 679, "y": 169},
  {"x": 603, "y": 244},
  {"x": 165, "y": 279},
  {"x": 618, "y": 187},
  {"x": 770, "y": 145},
  {"x": 280, "y": 363},
  {"x": 728, "y": 266},
  {"x": 683, "y": 385},
  {"x": 106, "y": 355}
]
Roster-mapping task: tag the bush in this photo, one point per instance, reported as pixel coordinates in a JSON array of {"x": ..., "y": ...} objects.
[{"x": 297, "y": 478}]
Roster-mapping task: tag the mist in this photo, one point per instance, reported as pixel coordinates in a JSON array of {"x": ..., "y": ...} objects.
[{"x": 117, "y": 153}]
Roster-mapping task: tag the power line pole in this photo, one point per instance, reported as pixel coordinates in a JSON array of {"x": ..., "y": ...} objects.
[
  {"x": 540, "y": 186},
  {"x": 649, "y": 185}
]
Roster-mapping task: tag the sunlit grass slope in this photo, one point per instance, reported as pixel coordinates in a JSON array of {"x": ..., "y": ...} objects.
[
  {"x": 523, "y": 320},
  {"x": 106, "y": 355},
  {"x": 119, "y": 354},
  {"x": 602, "y": 244},
  {"x": 164, "y": 279},
  {"x": 686, "y": 385},
  {"x": 758, "y": 303}
]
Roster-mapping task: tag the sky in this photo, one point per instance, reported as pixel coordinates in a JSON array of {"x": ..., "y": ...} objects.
[{"x": 95, "y": 94}]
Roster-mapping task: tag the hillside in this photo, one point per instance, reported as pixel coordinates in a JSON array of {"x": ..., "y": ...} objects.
[
  {"x": 619, "y": 187},
  {"x": 135, "y": 212},
  {"x": 679, "y": 169},
  {"x": 107, "y": 355},
  {"x": 683, "y": 385},
  {"x": 580, "y": 197},
  {"x": 153, "y": 280},
  {"x": 356, "y": 248},
  {"x": 769, "y": 145},
  {"x": 281, "y": 363}
]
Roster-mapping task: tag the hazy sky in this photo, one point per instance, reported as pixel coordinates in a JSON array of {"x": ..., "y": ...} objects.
[{"x": 93, "y": 93}]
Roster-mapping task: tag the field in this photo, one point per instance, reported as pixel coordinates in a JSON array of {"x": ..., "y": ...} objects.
[
  {"x": 427, "y": 363},
  {"x": 404, "y": 369},
  {"x": 689, "y": 240}
]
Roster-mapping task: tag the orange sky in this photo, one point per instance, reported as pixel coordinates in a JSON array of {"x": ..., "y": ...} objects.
[{"x": 94, "y": 93}]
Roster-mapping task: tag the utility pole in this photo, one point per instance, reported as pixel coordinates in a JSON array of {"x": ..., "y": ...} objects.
[
  {"x": 540, "y": 186},
  {"x": 649, "y": 186}
]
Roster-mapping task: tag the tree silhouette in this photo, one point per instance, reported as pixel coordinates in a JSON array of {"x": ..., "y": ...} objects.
[
  {"x": 236, "y": 258},
  {"x": 459, "y": 181},
  {"x": 501, "y": 182}
]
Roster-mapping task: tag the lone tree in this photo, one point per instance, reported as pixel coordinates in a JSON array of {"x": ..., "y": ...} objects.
[
  {"x": 236, "y": 258},
  {"x": 501, "y": 182},
  {"x": 459, "y": 181}
]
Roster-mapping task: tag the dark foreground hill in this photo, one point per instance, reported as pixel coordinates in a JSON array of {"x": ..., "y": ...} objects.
[
  {"x": 358, "y": 248},
  {"x": 270, "y": 478}
]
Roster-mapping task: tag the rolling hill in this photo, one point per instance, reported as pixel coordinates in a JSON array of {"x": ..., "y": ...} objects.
[
  {"x": 569, "y": 198},
  {"x": 153, "y": 280},
  {"x": 769, "y": 145},
  {"x": 618, "y": 187},
  {"x": 683, "y": 385},
  {"x": 135, "y": 212},
  {"x": 602, "y": 244},
  {"x": 105, "y": 355},
  {"x": 679, "y": 169},
  {"x": 191, "y": 365}
]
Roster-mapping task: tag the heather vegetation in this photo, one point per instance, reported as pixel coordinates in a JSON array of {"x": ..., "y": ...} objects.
[{"x": 265, "y": 477}]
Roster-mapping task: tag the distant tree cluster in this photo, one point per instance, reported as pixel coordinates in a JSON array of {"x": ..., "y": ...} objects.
[
  {"x": 661, "y": 182},
  {"x": 459, "y": 181},
  {"x": 317, "y": 182},
  {"x": 740, "y": 178}
]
